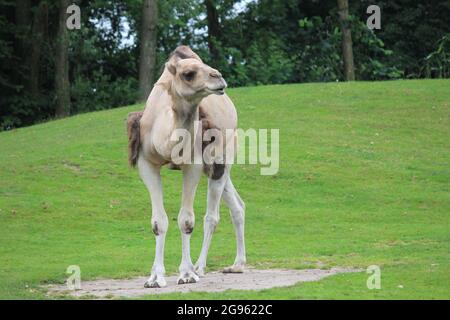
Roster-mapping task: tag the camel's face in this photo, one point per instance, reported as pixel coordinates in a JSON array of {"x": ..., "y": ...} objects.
[{"x": 194, "y": 79}]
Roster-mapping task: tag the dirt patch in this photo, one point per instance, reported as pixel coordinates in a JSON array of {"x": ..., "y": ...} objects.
[{"x": 251, "y": 279}]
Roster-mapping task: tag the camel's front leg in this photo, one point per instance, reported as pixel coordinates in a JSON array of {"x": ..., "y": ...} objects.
[
  {"x": 186, "y": 221},
  {"x": 150, "y": 174}
]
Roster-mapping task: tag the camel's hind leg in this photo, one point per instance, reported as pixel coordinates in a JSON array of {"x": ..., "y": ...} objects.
[
  {"x": 237, "y": 211},
  {"x": 215, "y": 190}
]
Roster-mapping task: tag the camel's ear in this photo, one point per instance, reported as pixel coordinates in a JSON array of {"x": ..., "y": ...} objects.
[{"x": 172, "y": 69}]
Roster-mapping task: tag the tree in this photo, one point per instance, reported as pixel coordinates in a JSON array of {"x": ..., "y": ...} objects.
[
  {"x": 39, "y": 31},
  {"x": 347, "y": 46},
  {"x": 62, "y": 84},
  {"x": 212, "y": 18},
  {"x": 147, "y": 56},
  {"x": 22, "y": 23},
  {"x": 22, "y": 20}
]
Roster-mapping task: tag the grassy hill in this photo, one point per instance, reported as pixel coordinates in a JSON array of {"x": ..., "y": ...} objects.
[{"x": 364, "y": 180}]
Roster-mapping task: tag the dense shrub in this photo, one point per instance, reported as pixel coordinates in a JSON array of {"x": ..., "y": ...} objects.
[
  {"x": 437, "y": 63},
  {"x": 99, "y": 92}
]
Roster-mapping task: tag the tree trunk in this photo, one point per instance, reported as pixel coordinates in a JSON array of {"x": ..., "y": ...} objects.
[
  {"x": 148, "y": 42},
  {"x": 22, "y": 32},
  {"x": 23, "y": 13},
  {"x": 347, "y": 46},
  {"x": 39, "y": 28},
  {"x": 62, "y": 85},
  {"x": 212, "y": 17}
]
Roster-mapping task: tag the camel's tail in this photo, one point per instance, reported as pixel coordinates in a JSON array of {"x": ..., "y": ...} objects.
[{"x": 134, "y": 136}]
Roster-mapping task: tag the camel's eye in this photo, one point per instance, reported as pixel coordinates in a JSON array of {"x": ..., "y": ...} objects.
[{"x": 189, "y": 75}]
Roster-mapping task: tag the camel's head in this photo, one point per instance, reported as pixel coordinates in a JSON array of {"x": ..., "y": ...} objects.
[{"x": 192, "y": 79}]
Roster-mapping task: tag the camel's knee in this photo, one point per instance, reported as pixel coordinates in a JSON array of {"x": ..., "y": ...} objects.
[
  {"x": 159, "y": 225},
  {"x": 234, "y": 203},
  {"x": 238, "y": 215},
  {"x": 186, "y": 221},
  {"x": 211, "y": 220}
]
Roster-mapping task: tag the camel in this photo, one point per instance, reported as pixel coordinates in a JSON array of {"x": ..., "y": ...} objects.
[{"x": 187, "y": 91}]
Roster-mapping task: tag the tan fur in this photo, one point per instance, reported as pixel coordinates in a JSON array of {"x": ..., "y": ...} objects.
[{"x": 163, "y": 114}]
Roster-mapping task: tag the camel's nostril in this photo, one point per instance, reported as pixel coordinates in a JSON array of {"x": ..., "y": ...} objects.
[{"x": 215, "y": 75}]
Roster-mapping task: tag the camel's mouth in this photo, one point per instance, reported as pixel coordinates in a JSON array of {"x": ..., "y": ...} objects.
[{"x": 218, "y": 91}]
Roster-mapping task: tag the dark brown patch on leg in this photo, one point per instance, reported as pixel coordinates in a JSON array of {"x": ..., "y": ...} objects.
[
  {"x": 155, "y": 229},
  {"x": 217, "y": 171},
  {"x": 188, "y": 228}
]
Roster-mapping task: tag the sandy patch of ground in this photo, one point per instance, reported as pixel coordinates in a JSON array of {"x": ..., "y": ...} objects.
[{"x": 251, "y": 279}]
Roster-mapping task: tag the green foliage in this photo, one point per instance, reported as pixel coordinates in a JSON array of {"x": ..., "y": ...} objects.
[
  {"x": 410, "y": 29},
  {"x": 437, "y": 63},
  {"x": 104, "y": 64},
  {"x": 268, "y": 63},
  {"x": 177, "y": 22},
  {"x": 102, "y": 70},
  {"x": 262, "y": 62},
  {"x": 98, "y": 92},
  {"x": 232, "y": 65},
  {"x": 372, "y": 60},
  {"x": 21, "y": 110},
  {"x": 319, "y": 60},
  {"x": 275, "y": 41}
]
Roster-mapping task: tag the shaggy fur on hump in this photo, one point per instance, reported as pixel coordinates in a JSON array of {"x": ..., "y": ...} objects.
[{"x": 134, "y": 136}]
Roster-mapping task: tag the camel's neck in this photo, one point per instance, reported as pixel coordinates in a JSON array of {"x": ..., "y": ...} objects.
[
  {"x": 185, "y": 111},
  {"x": 185, "y": 114}
]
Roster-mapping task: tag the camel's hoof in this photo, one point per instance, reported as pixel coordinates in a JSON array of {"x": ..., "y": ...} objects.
[
  {"x": 155, "y": 282},
  {"x": 200, "y": 271},
  {"x": 188, "y": 277},
  {"x": 234, "y": 269}
]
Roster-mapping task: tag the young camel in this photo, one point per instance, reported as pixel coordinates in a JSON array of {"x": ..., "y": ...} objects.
[{"x": 188, "y": 90}]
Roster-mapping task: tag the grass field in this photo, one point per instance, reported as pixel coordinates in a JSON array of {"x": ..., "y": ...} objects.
[{"x": 364, "y": 180}]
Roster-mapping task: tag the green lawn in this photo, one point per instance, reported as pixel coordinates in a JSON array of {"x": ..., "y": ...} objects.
[{"x": 364, "y": 179}]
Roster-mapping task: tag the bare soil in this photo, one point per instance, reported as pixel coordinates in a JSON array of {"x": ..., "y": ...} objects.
[{"x": 251, "y": 279}]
